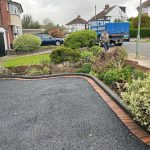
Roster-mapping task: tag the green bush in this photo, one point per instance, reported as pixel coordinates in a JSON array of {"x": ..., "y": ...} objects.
[
  {"x": 111, "y": 76},
  {"x": 27, "y": 42},
  {"x": 145, "y": 21},
  {"x": 137, "y": 99},
  {"x": 145, "y": 32},
  {"x": 96, "y": 50},
  {"x": 63, "y": 54},
  {"x": 86, "y": 68},
  {"x": 86, "y": 54},
  {"x": 84, "y": 38}
]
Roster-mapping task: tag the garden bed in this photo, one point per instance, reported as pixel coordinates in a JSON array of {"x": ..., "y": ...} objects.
[{"x": 40, "y": 50}]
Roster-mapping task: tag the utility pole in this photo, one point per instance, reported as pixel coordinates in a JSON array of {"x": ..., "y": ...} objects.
[
  {"x": 95, "y": 13},
  {"x": 139, "y": 28}
]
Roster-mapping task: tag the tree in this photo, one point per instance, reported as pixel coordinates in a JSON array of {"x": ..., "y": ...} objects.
[
  {"x": 57, "y": 33},
  {"x": 48, "y": 25},
  {"x": 145, "y": 22},
  {"x": 29, "y": 23}
]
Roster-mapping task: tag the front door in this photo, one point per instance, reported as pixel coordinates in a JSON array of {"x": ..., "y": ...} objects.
[{"x": 2, "y": 45}]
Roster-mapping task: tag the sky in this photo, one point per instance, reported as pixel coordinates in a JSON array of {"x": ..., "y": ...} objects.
[{"x": 63, "y": 11}]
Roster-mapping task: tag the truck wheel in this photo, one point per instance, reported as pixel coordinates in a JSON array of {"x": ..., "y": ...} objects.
[{"x": 119, "y": 44}]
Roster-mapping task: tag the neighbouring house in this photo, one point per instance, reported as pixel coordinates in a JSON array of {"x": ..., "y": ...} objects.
[
  {"x": 111, "y": 14},
  {"x": 77, "y": 24},
  {"x": 10, "y": 22},
  {"x": 145, "y": 7}
]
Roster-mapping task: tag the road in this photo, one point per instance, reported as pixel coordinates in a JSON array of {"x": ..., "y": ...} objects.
[
  {"x": 59, "y": 114},
  {"x": 145, "y": 48}
]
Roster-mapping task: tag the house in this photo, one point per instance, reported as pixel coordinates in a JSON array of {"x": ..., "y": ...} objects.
[
  {"x": 145, "y": 7},
  {"x": 10, "y": 22},
  {"x": 111, "y": 14},
  {"x": 77, "y": 24}
]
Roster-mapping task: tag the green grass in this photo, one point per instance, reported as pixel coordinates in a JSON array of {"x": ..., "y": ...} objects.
[
  {"x": 26, "y": 60},
  {"x": 147, "y": 41}
]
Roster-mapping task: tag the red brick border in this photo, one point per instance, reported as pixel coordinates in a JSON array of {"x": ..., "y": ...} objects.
[{"x": 124, "y": 117}]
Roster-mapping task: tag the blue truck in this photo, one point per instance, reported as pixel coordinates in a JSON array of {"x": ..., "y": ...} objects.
[{"x": 117, "y": 31}]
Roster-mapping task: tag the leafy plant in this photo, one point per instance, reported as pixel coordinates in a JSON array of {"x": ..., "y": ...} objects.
[
  {"x": 63, "y": 54},
  {"x": 86, "y": 54},
  {"x": 111, "y": 76},
  {"x": 86, "y": 68},
  {"x": 96, "y": 50},
  {"x": 137, "y": 99},
  {"x": 84, "y": 38},
  {"x": 27, "y": 42}
]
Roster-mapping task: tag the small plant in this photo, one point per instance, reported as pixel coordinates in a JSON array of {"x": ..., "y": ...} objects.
[
  {"x": 63, "y": 54},
  {"x": 96, "y": 50},
  {"x": 27, "y": 42},
  {"x": 86, "y": 55},
  {"x": 137, "y": 99},
  {"x": 111, "y": 76},
  {"x": 86, "y": 68}
]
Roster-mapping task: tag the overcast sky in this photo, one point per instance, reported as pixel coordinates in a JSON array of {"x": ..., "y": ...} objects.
[{"x": 63, "y": 11}]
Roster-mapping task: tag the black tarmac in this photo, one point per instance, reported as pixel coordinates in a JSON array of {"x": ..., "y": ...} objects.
[{"x": 59, "y": 114}]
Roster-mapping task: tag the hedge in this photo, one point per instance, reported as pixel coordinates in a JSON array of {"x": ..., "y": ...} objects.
[
  {"x": 145, "y": 32},
  {"x": 84, "y": 38},
  {"x": 27, "y": 42}
]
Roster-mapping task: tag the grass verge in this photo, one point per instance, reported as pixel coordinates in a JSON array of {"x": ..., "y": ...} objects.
[{"x": 26, "y": 60}]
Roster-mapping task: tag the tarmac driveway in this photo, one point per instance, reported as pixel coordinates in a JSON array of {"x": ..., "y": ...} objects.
[{"x": 59, "y": 114}]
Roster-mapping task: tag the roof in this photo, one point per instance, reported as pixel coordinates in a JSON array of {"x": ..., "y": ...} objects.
[
  {"x": 17, "y": 4},
  {"x": 107, "y": 9},
  {"x": 77, "y": 20},
  {"x": 102, "y": 13},
  {"x": 146, "y": 3}
]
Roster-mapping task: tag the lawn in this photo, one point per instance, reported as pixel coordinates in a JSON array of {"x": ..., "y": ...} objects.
[{"x": 26, "y": 60}]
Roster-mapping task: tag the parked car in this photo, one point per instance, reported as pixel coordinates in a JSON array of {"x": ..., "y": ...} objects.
[{"x": 48, "y": 40}]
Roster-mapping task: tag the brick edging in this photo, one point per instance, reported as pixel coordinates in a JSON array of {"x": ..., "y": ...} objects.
[{"x": 123, "y": 115}]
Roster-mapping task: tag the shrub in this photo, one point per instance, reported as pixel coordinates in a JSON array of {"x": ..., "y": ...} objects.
[
  {"x": 56, "y": 33},
  {"x": 145, "y": 32},
  {"x": 63, "y": 54},
  {"x": 111, "y": 76},
  {"x": 97, "y": 50},
  {"x": 86, "y": 54},
  {"x": 115, "y": 58},
  {"x": 137, "y": 99},
  {"x": 127, "y": 73},
  {"x": 86, "y": 68},
  {"x": 27, "y": 42},
  {"x": 84, "y": 38}
]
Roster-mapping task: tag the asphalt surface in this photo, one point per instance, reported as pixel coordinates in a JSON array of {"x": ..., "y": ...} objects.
[
  {"x": 144, "y": 48},
  {"x": 59, "y": 114}
]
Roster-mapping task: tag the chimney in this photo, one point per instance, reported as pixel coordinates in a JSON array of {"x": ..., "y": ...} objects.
[
  {"x": 79, "y": 16},
  {"x": 107, "y": 6}
]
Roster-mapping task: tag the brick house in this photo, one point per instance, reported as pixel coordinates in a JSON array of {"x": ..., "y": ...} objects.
[{"x": 10, "y": 21}]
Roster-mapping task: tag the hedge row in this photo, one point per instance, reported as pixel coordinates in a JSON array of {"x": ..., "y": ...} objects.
[{"x": 145, "y": 32}]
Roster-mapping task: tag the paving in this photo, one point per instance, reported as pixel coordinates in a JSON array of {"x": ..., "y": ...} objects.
[
  {"x": 144, "y": 59},
  {"x": 59, "y": 114}
]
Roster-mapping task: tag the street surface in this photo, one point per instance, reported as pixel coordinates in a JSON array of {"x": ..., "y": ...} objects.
[
  {"x": 59, "y": 114},
  {"x": 144, "y": 46}
]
